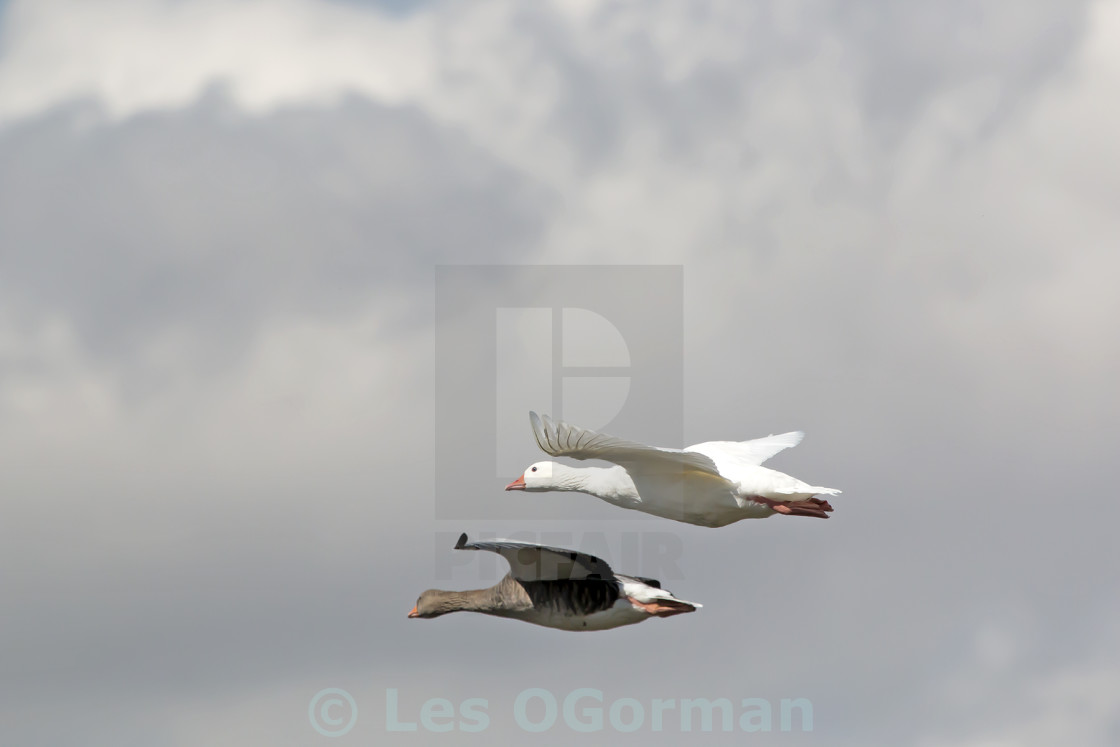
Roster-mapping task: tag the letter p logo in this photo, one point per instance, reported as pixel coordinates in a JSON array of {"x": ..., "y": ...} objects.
[{"x": 598, "y": 346}]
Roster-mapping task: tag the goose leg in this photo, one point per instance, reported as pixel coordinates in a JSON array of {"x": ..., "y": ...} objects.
[
  {"x": 815, "y": 507},
  {"x": 663, "y": 607}
]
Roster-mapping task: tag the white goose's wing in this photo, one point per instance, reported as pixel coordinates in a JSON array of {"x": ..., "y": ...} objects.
[
  {"x": 563, "y": 440},
  {"x": 529, "y": 562},
  {"x": 729, "y": 456}
]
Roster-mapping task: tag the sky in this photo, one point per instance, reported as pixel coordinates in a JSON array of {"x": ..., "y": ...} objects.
[{"x": 229, "y": 403}]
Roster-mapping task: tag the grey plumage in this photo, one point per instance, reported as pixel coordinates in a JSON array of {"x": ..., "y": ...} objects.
[{"x": 556, "y": 588}]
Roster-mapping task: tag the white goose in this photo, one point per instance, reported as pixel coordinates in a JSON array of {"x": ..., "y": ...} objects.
[
  {"x": 556, "y": 588},
  {"x": 712, "y": 484}
]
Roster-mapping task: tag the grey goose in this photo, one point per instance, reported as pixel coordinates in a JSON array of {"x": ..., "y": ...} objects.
[{"x": 556, "y": 588}]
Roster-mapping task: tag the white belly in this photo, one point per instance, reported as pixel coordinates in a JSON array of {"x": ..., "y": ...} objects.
[{"x": 621, "y": 613}]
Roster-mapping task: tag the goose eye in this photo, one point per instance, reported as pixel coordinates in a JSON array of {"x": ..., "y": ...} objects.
[{"x": 534, "y": 469}]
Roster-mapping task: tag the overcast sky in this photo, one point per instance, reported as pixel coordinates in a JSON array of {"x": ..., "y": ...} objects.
[{"x": 220, "y": 224}]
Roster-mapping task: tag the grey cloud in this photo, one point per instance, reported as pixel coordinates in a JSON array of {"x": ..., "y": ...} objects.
[
  {"x": 212, "y": 220},
  {"x": 170, "y": 579},
  {"x": 895, "y": 59},
  {"x": 909, "y": 54}
]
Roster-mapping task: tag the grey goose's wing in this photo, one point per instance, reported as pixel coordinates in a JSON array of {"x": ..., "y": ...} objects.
[{"x": 529, "y": 562}]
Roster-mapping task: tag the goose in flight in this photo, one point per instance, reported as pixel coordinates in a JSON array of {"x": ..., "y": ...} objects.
[
  {"x": 711, "y": 484},
  {"x": 556, "y": 588}
]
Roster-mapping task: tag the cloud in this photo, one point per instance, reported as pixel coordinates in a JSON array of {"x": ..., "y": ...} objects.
[
  {"x": 133, "y": 55},
  {"x": 209, "y": 219},
  {"x": 218, "y": 226}
]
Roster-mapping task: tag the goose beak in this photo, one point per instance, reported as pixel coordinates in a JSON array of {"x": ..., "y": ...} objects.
[
  {"x": 518, "y": 484},
  {"x": 414, "y": 613}
]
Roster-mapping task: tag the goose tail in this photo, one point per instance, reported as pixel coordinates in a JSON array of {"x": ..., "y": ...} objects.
[{"x": 653, "y": 599}]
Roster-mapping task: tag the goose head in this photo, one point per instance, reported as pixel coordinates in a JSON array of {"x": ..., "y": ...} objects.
[
  {"x": 541, "y": 476},
  {"x": 433, "y": 603}
]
